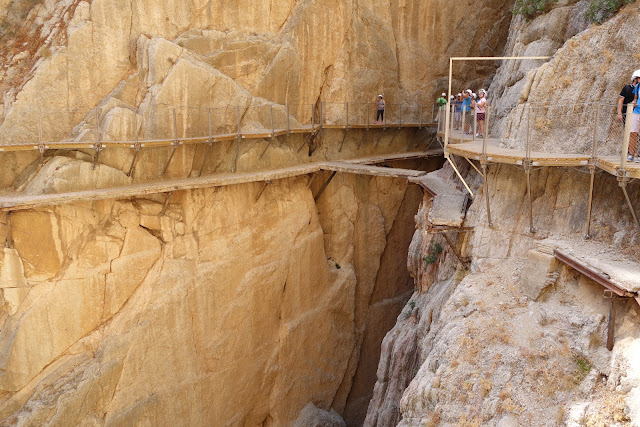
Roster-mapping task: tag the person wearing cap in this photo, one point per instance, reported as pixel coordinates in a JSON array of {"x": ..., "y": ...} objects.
[
  {"x": 481, "y": 104},
  {"x": 380, "y": 115},
  {"x": 442, "y": 101},
  {"x": 626, "y": 97}
]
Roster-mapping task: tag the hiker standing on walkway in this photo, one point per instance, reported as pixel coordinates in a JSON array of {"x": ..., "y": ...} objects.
[
  {"x": 442, "y": 102},
  {"x": 466, "y": 109},
  {"x": 380, "y": 115},
  {"x": 480, "y": 105},
  {"x": 635, "y": 123},
  {"x": 458, "y": 110},
  {"x": 626, "y": 97}
]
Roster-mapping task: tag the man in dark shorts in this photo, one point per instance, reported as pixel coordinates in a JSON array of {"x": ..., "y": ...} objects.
[{"x": 626, "y": 97}]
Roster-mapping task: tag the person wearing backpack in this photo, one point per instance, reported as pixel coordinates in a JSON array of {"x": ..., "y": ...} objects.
[
  {"x": 635, "y": 123},
  {"x": 442, "y": 102}
]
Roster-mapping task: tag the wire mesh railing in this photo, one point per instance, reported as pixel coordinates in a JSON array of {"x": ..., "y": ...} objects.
[{"x": 586, "y": 130}]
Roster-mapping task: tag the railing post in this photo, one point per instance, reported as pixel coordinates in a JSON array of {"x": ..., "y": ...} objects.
[
  {"x": 368, "y": 114},
  {"x": 528, "y": 137},
  {"x": 464, "y": 124},
  {"x": 475, "y": 123},
  {"x": 273, "y": 131},
  {"x": 400, "y": 114},
  {"x": 288, "y": 120},
  {"x": 451, "y": 121},
  {"x": 239, "y": 120},
  {"x": 627, "y": 135},
  {"x": 420, "y": 119},
  {"x": 433, "y": 113},
  {"x": 321, "y": 121},
  {"x": 313, "y": 117},
  {"x": 347, "y": 124},
  {"x": 596, "y": 125}
]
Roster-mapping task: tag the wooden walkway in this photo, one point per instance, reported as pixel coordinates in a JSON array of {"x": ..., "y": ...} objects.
[
  {"x": 258, "y": 133},
  {"x": 496, "y": 154},
  {"x": 13, "y": 202}
]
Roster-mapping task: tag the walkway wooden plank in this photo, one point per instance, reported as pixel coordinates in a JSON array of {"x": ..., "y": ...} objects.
[
  {"x": 612, "y": 164},
  {"x": 12, "y": 202},
  {"x": 397, "y": 156},
  {"x": 370, "y": 170},
  {"x": 21, "y": 202},
  {"x": 497, "y": 154}
]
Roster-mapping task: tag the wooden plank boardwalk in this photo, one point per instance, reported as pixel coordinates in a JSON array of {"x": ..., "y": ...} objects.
[
  {"x": 497, "y": 154},
  {"x": 257, "y": 133},
  {"x": 13, "y": 202}
]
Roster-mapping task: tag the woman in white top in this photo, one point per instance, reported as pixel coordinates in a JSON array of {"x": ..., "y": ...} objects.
[{"x": 481, "y": 104}]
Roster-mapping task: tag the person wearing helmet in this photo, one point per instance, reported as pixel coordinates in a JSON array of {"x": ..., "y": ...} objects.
[
  {"x": 380, "y": 116},
  {"x": 626, "y": 97}
]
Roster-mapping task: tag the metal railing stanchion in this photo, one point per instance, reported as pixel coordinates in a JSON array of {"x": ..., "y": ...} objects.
[
  {"x": 288, "y": 119},
  {"x": 273, "y": 130},
  {"x": 484, "y": 162},
  {"x": 464, "y": 125},
  {"x": 347, "y": 109},
  {"x": 209, "y": 142},
  {"x": 98, "y": 145},
  {"x": 475, "y": 123}
]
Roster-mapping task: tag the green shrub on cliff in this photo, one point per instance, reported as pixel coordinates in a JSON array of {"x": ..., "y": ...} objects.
[
  {"x": 531, "y": 8},
  {"x": 601, "y": 10}
]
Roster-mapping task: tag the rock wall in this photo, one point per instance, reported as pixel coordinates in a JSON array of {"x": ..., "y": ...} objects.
[
  {"x": 221, "y": 309},
  {"x": 70, "y": 56},
  {"x": 479, "y": 346},
  {"x": 589, "y": 65}
]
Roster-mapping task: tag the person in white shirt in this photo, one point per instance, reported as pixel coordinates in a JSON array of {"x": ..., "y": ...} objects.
[{"x": 481, "y": 105}]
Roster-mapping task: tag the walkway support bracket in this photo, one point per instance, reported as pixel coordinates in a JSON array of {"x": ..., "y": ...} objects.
[
  {"x": 325, "y": 185},
  {"x": 623, "y": 184},
  {"x": 8, "y": 242},
  {"x": 455, "y": 168},
  {"x": 265, "y": 184}
]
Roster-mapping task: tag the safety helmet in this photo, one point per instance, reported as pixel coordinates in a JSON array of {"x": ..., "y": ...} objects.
[
  {"x": 444, "y": 94},
  {"x": 636, "y": 74}
]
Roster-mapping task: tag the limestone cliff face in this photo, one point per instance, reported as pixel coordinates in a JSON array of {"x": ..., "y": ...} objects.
[
  {"x": 220, "y": 309},
  {"x": 480, "y": 346},
  {"x": 590, "y": 65},
  {"x": 70, "y": 56}
]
